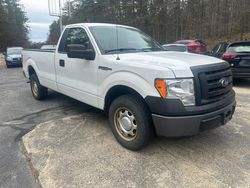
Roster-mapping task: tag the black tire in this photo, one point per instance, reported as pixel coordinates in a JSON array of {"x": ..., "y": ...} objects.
[
  {"x": 136, "y": 108},
  {"x": 8, "y": 66},
  {"x": 38, "y": 91}
]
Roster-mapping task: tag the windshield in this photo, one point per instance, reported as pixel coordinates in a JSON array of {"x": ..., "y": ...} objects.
[
  {"x": 14, "y": 51},
  {"x": 129, "y": 40},
  {"x": 240, "y": 48}
]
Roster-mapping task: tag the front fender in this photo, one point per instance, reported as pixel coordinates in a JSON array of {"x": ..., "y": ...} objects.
[{"x": 128, "y": 79}]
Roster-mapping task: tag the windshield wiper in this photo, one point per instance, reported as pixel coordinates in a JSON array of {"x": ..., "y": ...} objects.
[{"x": 120, "y": 50}]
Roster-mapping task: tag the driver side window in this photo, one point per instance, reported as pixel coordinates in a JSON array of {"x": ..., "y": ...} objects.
[{"x": 77, "y": 36}]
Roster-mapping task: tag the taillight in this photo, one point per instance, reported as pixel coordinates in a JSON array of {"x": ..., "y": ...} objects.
[{"x": 229, "y": 56}]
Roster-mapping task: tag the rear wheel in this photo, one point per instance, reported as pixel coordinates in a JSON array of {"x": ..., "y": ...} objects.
[
  {"x": 39, "y": 92},
  {"x": 131, "y": 122}
]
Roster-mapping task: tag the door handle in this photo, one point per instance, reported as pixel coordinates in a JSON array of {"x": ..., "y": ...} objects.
[
  {"x": 104, "y": 68},
  {"x": 62, "y": 63}
]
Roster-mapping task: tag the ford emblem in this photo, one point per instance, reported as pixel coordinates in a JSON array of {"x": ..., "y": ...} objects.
[{"x": 224, "y": 82}]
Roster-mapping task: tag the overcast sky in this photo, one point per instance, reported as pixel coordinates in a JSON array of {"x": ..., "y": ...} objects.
[{"x": 39, "y": 19}]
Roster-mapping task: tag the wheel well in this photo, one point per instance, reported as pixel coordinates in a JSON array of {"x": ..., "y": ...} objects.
[
  {"x": 31, "y": 70},
  {"x": 118, "y": 91}
]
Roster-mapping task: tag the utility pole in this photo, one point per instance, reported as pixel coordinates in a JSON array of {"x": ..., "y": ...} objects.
[
  {"x": 60, "y": 15},
  {"x": 56, "y": 9}
]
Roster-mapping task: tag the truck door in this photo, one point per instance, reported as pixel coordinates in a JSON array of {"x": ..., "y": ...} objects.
[{"x": 76, "y": 78}]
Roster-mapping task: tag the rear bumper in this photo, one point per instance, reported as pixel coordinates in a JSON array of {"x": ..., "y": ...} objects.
[
  {"x": 241, "y": 72},
  {"x": 179, "y": 126}
]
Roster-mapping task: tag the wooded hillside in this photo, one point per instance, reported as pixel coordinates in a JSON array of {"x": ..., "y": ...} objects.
[{"x": 168, "y": 20}]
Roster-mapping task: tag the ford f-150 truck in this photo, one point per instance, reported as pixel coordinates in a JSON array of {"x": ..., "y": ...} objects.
[{"x": 145, "y": 90}]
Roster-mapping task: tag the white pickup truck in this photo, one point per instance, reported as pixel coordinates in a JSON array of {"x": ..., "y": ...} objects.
[{"x": 145, "y": 90}]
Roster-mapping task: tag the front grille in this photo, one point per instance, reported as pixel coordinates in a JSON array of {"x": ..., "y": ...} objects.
[
  {"x": 213, "y": 82},
  {"x": 17, "y": 59}
]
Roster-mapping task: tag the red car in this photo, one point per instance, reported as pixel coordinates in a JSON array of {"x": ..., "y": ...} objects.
[{"x": 194, "y": 46}]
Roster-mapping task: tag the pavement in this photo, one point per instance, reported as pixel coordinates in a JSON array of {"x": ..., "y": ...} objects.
[
  {"x": 61, "y": 142},
  {"x": 19, "y": 114}
]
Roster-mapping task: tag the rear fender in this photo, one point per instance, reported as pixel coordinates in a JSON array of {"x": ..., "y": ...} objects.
[{"x": 31, "y": 63}]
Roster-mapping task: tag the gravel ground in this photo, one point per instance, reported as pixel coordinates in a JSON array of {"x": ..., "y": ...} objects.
[
  {"x": 69, "y": 144},
  {"x": 2, "y": 62},
  {"x": 19, "y": 114},
  {"x": 80, "y": 151}
]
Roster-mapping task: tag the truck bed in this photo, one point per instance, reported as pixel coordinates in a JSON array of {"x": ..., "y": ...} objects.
[{"x": 44, "y": 61}]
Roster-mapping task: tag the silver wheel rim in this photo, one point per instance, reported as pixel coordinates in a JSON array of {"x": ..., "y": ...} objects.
[
  {"x": 34, "y": 88},
  {"x": 125, "y": 124}
]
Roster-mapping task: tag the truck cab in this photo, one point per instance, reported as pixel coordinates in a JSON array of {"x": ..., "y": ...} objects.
[{"x": 145, "y": 90}]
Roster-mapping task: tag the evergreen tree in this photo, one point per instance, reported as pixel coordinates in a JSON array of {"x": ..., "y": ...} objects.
[
  {"x": 169, "y": 20},
  {"x": 13, "y": 30}
]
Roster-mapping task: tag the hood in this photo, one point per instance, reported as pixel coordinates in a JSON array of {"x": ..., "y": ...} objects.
[{"x": 178, "y": 62}]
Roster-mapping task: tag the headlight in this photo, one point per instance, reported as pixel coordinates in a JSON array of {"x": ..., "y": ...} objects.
[
  {"x": 182, "y": 89},
  {"x": 9, "y": 58}
]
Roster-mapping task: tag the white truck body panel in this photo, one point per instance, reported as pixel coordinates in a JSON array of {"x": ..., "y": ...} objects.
[
  {"x": 81, "y": 79},
  {"x": 137, "y": 82},
  {"x": 78, "y": 79},
  {"x": 44, "y": 65}
]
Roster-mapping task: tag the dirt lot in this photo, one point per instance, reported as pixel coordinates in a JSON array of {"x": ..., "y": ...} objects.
[
  {"x": 69, "y": 144},
  {"x": 2, "y": 62}
]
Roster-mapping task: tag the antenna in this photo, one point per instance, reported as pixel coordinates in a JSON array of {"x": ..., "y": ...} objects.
[
  {"x": 117, "y": 42},
  {"x": 117, "y": 38}
]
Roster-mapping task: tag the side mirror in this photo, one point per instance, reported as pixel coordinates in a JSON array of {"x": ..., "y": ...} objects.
[{"x": 80, "y": 52}]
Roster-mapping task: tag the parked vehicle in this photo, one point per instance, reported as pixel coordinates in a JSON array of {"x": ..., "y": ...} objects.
[
  {"x": 48, "y": 47},
  {"x": 237, "y": 54},
  {"x": 194, "y": 46},
  {"x": 175, "y": 47},
  {"x": 144, "y": 89},
  {"x": 13, "y": 56}
]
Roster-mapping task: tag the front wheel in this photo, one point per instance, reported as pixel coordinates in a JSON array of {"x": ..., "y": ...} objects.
[
  {"x": 7, "y": 65},
  {"x": 131, "y": 122},
  {"x": 39, "y": 92}
]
